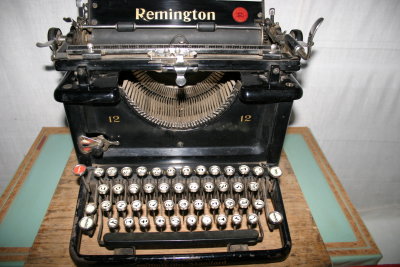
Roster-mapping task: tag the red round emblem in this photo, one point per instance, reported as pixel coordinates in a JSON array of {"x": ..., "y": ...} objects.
[
  {"x": 240, "y": 14},
  {"x": 79, "y": 170}
]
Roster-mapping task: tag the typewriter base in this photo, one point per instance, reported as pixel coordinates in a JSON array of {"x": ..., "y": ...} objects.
[{"x": 263, "y": 252}]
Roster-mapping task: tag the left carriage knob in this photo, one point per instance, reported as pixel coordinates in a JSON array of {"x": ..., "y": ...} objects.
[{"x": 79, "y": 170}]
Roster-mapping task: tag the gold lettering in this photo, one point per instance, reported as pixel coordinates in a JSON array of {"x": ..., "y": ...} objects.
[{"x": 140, "y": 13}]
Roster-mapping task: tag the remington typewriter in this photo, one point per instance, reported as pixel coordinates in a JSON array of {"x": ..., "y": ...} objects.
[{"x": 178, "y": 111}]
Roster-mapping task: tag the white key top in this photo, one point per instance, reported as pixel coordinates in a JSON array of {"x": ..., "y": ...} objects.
[
  {"x": 149, "y": 188},
  {"x": 90, "y": 208},
  {"x": 244, "y": 169},
  {"x": 169, "y": 205},
  {"x": 229, "y": 171},
  {"x": 126, "y": 172},
  {"x": 252, "y": 218},
  {"x": 191, "y": 220},
  {"x": 201, "y": 170},
  {"x": 206, "y": 220},
  {"x": 86, "y": 223},
  {"x": 236, "y": 219},
  {"x": 222, "y": 219},
  {"x": 106, "y": 205},
  {"x": 118, "y": 189},
  {"x": 98, "y": 172},
  {"x": 170, "y": 171},
  {"x": 144, "y": 222},
  {"x": 193, "y": 187},
  {"x": 112, "y": 223},
  {"x": 238, "y": 187},
  {"x": 129, "y": 222},
  {"x": 121, "y": 205},
  {"x": 223, "y": 187},
  {"x": 258, "y": 170},
  {"x": 229, "y": 203},
  {"x": 112, "y": 172},
  {"x": 244, "y": 203},
  {"x": 275, "y": 172},
  {"x": 163, "y": 188},
  {"x": 160, "y": 221},
  {"x": 198, "y": 204},
  {"x": 152, "y": 205},
  {"x": 134, "y": 189},
  {"x": 141, "y": 171},
  {"x": 178, "y": 188},
  {"x": 183, "y": 204},
  {"x": 136, "y": 205},
  {"x": 208, "y": 187},
  {"x": 186, "y": 171},
  {"x": 156, "y": 172},
  {"x": 214, "y": 203},
  {"x": 214, "y": 170},
  {"x": 175, "y": 221},
  {"x": 254, "y": 186},
  {"x": 258, "y": 204},
  {"x": 103, "y": 189}
]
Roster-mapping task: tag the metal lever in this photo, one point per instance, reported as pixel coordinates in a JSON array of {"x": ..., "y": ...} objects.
[
  {"x": 99, "y": 144},
  {"x": 311, "y": 35}
]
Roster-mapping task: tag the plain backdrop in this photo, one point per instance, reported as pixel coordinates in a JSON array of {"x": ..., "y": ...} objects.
[{"x": 351, "y": 94}]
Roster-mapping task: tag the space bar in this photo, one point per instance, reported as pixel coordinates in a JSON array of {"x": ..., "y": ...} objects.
[{"x": 180, "y": 239}]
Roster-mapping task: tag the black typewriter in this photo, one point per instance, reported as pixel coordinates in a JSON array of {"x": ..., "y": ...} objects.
[{"x": 178, "y": 111}]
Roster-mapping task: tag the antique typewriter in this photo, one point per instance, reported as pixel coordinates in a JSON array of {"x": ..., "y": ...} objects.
[{"x": 178, "y": 110}]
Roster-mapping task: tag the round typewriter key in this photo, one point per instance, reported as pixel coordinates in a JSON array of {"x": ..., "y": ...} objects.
[
  {"x": 238, "y": 187},
  {"x": 244, "y": 203},
  {"x": 258, "y": 170},
  {"x": 208, "y": 187},
  {"x": 121, "y": 205},
  {"x": 112, "y": 172},
  {"x": 103, "y": 189},
  {"x": 98, "y": 172},
  {"x": 118, "y": 189},
  {"x": 254, "y": 186},
  {"x": 133, "y": 188},
  {"x": 178, "y": 188},
  {"x": 126, "y": 172},
  {"x": 275, "y": 218},
  {"x": 191, "y": 220},
  {"x": 112, "y": 223},
  {"x": 141, "y": 171},
  {"x": 79, "y": 170},
  {"x": 170, "y": 172},
  {"x": 206, "y": 220},
  {"x": 144, "y": 222},
  {"x": 229, "y": 171},
  {"x": 86, "y": 223},
  {"x": 258, "y": 204},
  {"x": 183, "y": 204},
  {"x": 152, "y": 205},
  {"x": 236, "y": 219},
  {"x": 149, "y": 188},
  {"x": 201, "y": 170},
  {"x": 198, "y": 204},
  {"x": 244, "y": 169},
  {"x": 229, "y": 203},
  {"x": 222, "y": 219},
  {"x": 129, "y": 223},
  {"x": 90, "y": 208},
  {"x": 106, "y": 205},
  {"x": 214, "y": 203},
  {"x": 252, "y": 218},
  {"x": 175, "y": 221},
  {"x": 194, "y": 187},
  {"x": 186, "y": 171},
  {"x": 163, "y": 188},
  {"x": 223, "y": 187},
  {"x": 169, "y": 204},
  {"x": 214, "y": 170},
  {"x": 159, "y": 221},
  {"x": 136, "y": 205},
  {"x": 275, "y": 172},
  {"x": 156, "y": 172}
]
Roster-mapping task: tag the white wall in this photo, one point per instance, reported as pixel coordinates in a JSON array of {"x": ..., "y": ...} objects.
[{"x": 351, "y": 90}]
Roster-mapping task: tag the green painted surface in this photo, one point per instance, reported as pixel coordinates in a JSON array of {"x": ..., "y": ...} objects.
[
  {"x": 356, "y": 260},
  {"x": 328, "y": 215},
  {"x": 22, "y": 221},
  {"x": 12, "y": 263}
]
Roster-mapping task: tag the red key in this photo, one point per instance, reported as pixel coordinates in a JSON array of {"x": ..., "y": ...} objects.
[{"x": 79, "y": 170}]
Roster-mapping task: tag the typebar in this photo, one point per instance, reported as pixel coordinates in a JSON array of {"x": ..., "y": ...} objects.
[{"x": 180, "y": 239}]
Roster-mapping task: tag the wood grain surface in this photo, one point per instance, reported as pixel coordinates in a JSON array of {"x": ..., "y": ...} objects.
[{"x": 52, "y": 242}]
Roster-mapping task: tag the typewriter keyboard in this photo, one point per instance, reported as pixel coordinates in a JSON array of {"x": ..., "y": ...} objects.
[{"x": 187, "y": 206}]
